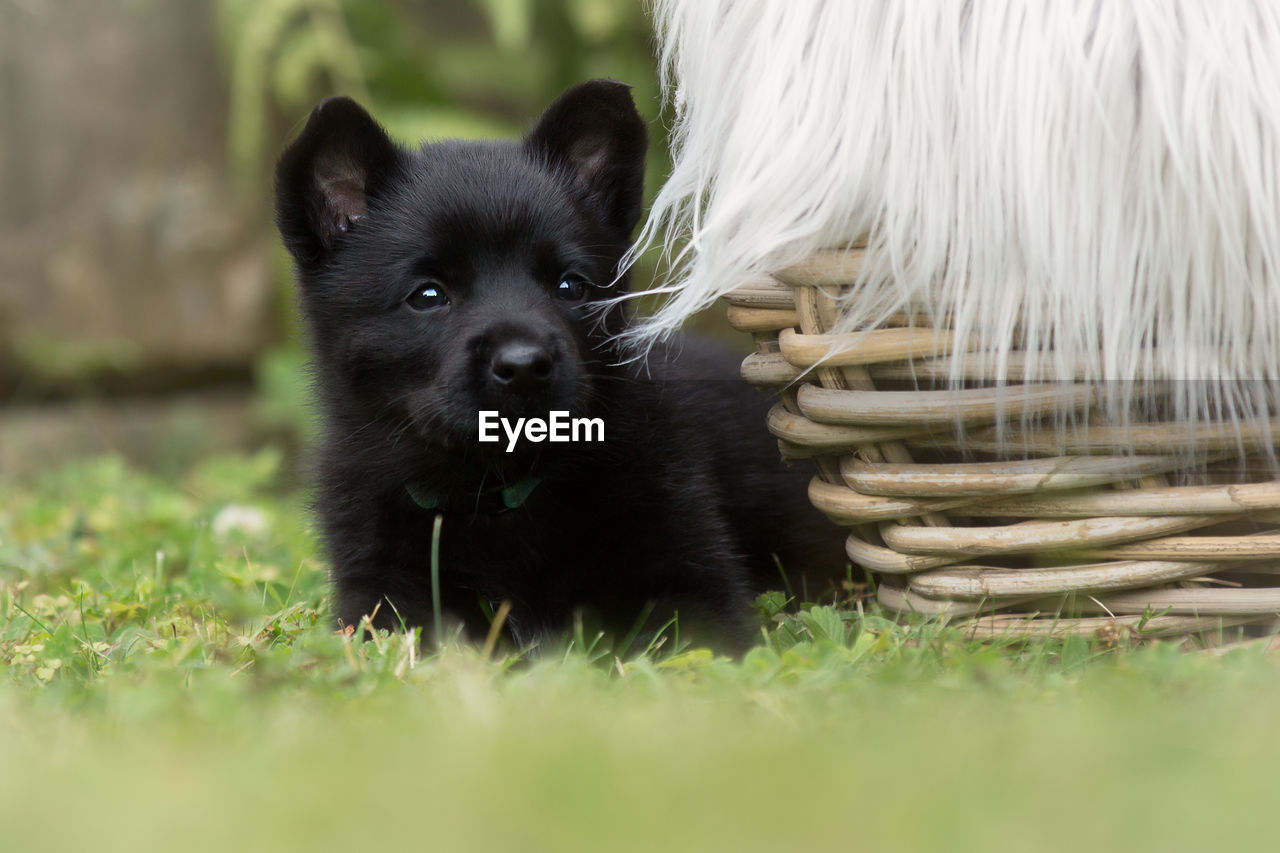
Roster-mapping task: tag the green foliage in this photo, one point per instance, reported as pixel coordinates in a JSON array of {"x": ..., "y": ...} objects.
[
  {"x": 459, "y": 68},
  {"x": 284, "y": 399}
]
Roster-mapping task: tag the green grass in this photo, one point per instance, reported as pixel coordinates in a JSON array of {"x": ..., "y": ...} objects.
[{"x": 170, "y": 681}]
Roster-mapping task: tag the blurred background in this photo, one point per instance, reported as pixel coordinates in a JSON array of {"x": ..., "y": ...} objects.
[{"x": 145, "y": 305}]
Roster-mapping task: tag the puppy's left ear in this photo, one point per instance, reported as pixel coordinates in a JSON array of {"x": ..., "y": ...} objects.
[{"x": 594, "y": 132}]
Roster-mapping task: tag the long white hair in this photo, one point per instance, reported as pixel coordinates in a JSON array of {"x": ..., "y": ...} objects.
[{"x": 1102, "y": 178}]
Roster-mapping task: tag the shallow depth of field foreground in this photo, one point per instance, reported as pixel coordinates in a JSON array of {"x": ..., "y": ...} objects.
[{"x": 170, "y": 679}]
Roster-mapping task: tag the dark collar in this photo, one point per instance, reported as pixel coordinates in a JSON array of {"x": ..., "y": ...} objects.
[{"x": 490, "y": 501}]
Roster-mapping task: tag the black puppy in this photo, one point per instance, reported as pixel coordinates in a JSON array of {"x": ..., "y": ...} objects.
[{"x": 458, "y": 278}]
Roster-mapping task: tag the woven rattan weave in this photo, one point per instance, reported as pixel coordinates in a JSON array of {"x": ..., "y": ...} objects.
[{"x": 975, "y": 499}]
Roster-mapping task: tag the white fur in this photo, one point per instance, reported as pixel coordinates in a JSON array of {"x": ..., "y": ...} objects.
[{"x": 1103, "y": 175}]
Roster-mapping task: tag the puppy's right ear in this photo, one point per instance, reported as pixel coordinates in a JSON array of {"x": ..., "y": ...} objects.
[{"x": 325, "y": 178}]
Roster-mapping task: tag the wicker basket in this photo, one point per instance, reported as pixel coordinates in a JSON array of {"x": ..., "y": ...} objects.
[{"x": 1008, "y": 524}]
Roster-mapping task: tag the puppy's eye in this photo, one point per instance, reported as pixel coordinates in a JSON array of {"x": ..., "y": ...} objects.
[
  {"x": 571, "y": 288},
  {"x": 427, "y": 295}
]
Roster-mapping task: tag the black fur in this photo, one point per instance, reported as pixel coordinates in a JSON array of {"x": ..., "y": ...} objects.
[{"x": 679, "y": 511}]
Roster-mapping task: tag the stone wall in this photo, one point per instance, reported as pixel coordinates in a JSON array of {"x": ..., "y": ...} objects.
[
  {"x": 125, "y": 259},
  {"x": 128, "y": 266}
]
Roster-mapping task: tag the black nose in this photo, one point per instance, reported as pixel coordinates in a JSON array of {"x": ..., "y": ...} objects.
[{"x": 520, "y": 367}]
